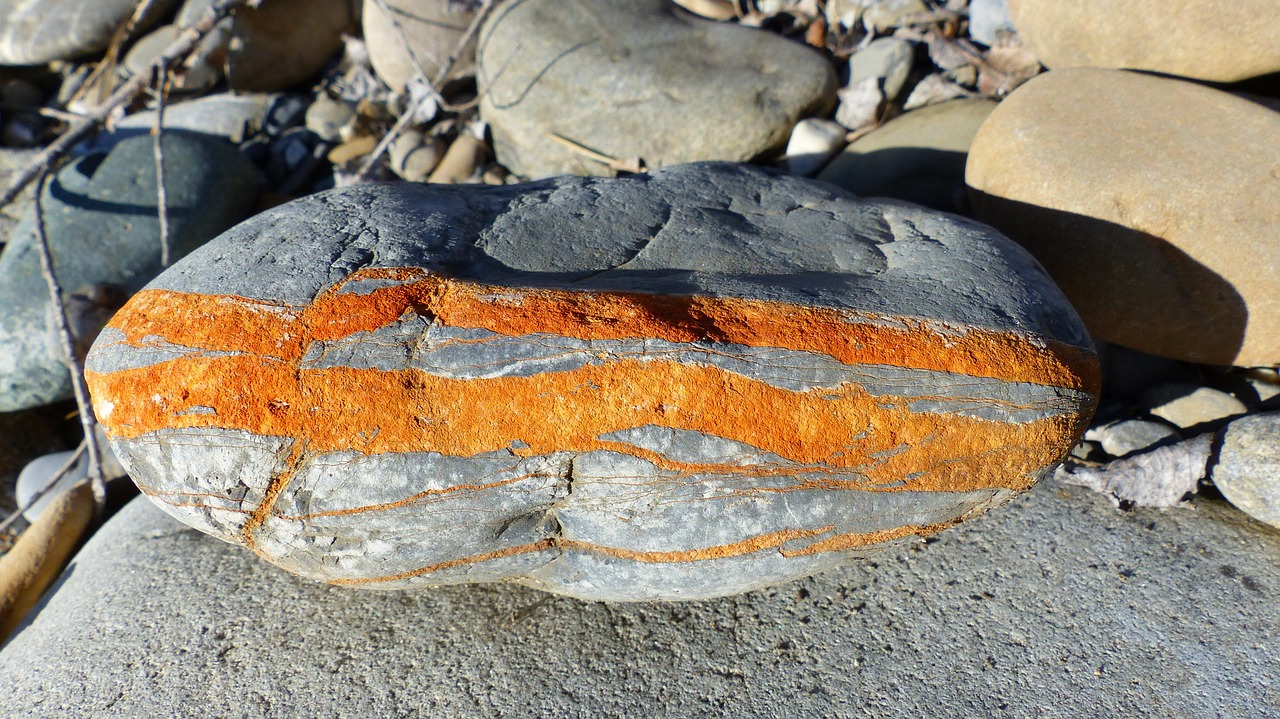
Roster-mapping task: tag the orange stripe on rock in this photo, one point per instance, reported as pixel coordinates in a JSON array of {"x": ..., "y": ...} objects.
[
  {"x": 228, "y": 323},
  {"x": 374, "y": 411}
]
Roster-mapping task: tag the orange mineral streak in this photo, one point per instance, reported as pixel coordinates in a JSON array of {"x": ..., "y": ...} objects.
[{"x": 863, "y": 441}]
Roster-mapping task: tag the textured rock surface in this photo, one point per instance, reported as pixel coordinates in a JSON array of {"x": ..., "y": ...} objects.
[
  {"x": 100, "y": 219},
  {"x": 919, "y": 156},
  {"x": 13, "y": 161},
  {"x": 641, "y": 78},
  {"x": 1102, "y": 175},
  {"x": 686, "y": 384},
  {"x": 37, "y": 31},
  {"x": 1204, "y": 39},
  {"x": 1000, "y": 617},
  {"x": 1248, "y": 467},
  {"x": 432, "y": 28}
]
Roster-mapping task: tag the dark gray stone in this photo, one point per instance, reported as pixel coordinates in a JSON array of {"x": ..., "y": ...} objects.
[
  {"x": 1059, "y": 607},
  {"x": 102, "y": 228}
]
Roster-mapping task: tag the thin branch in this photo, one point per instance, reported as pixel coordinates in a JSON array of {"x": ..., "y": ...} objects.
[
  {"x": 366, "y": 168},
  {"x": 157, "y": 132},
  {"x": 87, "y": 421},
  {"x": 178, "y": 50},
  {"x": 66, "y": 467}
]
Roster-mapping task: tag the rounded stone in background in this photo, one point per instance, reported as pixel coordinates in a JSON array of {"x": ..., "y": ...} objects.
[
  {"x": 103, "y": 230},
  {"x": 1203, "y": 39},
  {"x": 282, "y": 43},
  {"x": 1248, "y": 468},
  {"x": 433, "y": 29},
  {"x": 919, "y": 156},
  {"x": 987, "y": 19},
  {"x": 32, "y": 33},
  {"x": 1124, "y": 437},
  {"x": 660, "y": 84},
  {"x": 1152, "y": 202},
  {"x": 676, "y": 385},
  {"x": 888, "y": 60},
  {"x": 813, "y": 142}
]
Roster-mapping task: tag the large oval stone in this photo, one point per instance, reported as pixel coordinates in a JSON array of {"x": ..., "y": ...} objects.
[
  {"x": 1152, "y": 202},
  {"x": 688, "y": 384},
  {"x": 1203, "y": 39}
]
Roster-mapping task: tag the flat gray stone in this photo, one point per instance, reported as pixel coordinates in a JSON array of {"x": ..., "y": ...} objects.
[
  {"x": 102, "y": 228},
  {"x": 1248, "y": 468},
  {"x": 1058, "y": 607},
  {"x": 638, "y": 79},
  {"x": 691, "y": 383},
  {"x": 37, "y": 31},
  {"x": 1188, "y": 405},
  {"x": 1127, "y": 436},
  {"x": 887, "y": 60}
]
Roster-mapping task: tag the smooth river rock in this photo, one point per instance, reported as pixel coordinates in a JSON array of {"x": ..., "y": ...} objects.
[
  {"x": 432, "y": 29},
  {"x": 638, "y": 79},
  {"x": 103, "y": 232},
  {"x": 680, "y": 385},
  {"x": 1202, "y": 39},
  {"x": 1248, "y": 468},
  {"x": 37, "y": 31},
  {"x": 1152, "y": 202}
]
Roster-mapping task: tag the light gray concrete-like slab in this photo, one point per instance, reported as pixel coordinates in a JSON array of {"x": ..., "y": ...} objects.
[{"x": 1059, "y": 606}]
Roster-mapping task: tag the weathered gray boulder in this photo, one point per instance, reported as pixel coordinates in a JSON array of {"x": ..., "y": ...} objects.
[
  {"x": 103, "y": 230},
  {"x": 638, "y": 79},
  {"x": 687, "y": 384},
  {"x": 37, "y": 31},
  {"x": 1248, "y": 467},
  {"x": 1154, "y": 607}
]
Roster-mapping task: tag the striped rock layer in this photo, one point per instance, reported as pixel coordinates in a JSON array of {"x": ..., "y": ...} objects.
[{"x": 669, "y": 387}]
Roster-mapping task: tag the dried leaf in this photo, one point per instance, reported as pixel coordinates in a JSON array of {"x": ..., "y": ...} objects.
[
  {"x": 934, "y": 89},
  {"x": 1159, "y": 478}
]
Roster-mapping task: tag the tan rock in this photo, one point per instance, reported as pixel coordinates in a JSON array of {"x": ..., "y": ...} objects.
[
  {"x": 1154, "y": 203},
  {"x": 285, "y": 42},
  {"x": 432, "y": 28},
  {"x": 1205, "y": 39},
  {"x": 37, "y": 557}
]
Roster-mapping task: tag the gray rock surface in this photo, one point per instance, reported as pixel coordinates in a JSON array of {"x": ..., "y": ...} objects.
[
  {"x": 1248, "y": 468},
  {"x": 987, "y": 19},
  {"x": 37, "y": 31},
  {"x": 101, "y": 223},
  {"x": 887, "y": 60},
  {"x": 13, "y": 161},
  {"x": 638, "y": 79},
  {"x": 234, "y": 117},
  {"x": 567, "y": 382},
  {"x": 1059, "y": 607},
  {"x": 918, "y": 157}
]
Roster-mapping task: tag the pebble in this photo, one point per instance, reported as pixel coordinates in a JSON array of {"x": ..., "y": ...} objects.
[
  {"x": 1201, "y": 39},
  {"x": 988, "y": 19},
  {"x": 327, "y": 117},
  {"x": 884, "y": 15},
  {"x": 1129, "y": 436},
  {"x": 918, "y": 156},
  {"x": 1248, "y": 468},
  {"x": 813, "y": 142},
  {"x": 1189, "y": 405},
  {"x": 35, "y": 477},
  {"x": 33, "y": 33},
  {"x": 352, "y": 149},
  {"x": 1102, "y": 175},
  {"x": 887, "y": 60},
  {"x": 433, "y": 29},
  {"x": 100, "y": 218},
  {"x": 466, "y": 153},
  {"x": 665, "y": 87},
  {"x": 560, "y": 383},
  {"x": 233, "y": 117},
  {"x": 413, "y": 156}
]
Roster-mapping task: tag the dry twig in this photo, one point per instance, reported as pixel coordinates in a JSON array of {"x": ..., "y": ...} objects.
[
  {"x": 178, "y": 50},
  {"x": 366, "y": 168},
  {"x": 157, "y": 132},
  {"x": 87, "y": 421}
]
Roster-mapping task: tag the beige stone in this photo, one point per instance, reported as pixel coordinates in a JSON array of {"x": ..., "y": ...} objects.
[
  {"x": 1221, "y": 40},
  {"x": 1154, "y": 203},
  {"x": 432, "y": 28}
]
